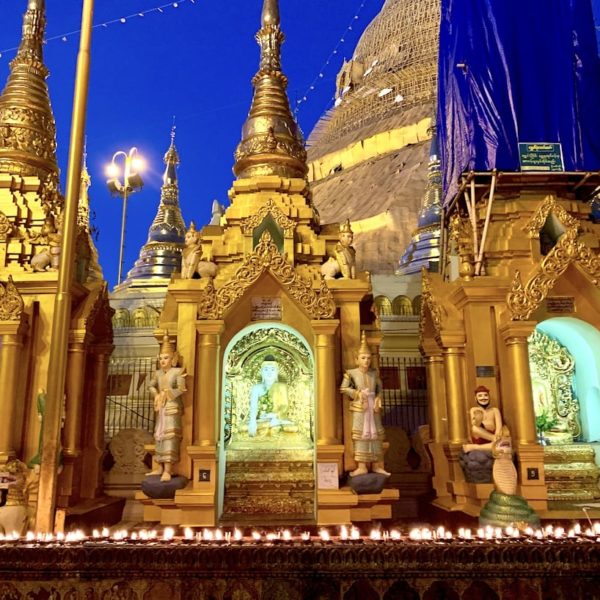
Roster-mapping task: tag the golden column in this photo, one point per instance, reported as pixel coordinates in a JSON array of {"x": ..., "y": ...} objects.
[
  {"x": 515, "y": 335},
  {"x": 327, "y": 392},
  {"x": 93, "y": 440},
  {"x": 208, "y": 384},
  {"x": 454, "y": 375},
  {"x": 76, "y": 359},
  {"x": 437, "y": 395},
  {"x": 11, "y": 344}
]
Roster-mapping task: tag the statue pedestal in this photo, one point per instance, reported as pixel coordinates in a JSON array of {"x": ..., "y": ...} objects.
[{"x": 343, "y": 506}]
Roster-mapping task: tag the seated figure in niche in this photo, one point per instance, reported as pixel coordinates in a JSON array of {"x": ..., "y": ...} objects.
[
  {"x": 269, "y": 403},
  {"x": 486, "y": 422}
]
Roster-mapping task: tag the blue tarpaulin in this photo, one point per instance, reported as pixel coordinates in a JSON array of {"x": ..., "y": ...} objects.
[{"x": 515, "y": 71}]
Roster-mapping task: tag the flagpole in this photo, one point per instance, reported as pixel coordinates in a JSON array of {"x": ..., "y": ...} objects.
[{"x": 57, "y": 367}]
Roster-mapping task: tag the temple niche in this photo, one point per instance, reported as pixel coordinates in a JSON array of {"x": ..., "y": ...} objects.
[{"x": 265, "y": 338}]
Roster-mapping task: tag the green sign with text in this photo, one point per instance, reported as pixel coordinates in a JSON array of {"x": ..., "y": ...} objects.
[{"x": 541, "y": 156}]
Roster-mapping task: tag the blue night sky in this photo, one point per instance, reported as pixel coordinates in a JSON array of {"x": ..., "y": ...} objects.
[{"x": 194, "y": 61}]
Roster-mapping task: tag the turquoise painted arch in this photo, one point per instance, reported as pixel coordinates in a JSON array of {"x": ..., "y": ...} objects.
[{"x": 582, "y": 340}]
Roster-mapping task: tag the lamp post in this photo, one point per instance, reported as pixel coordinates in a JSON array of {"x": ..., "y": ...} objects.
[{"x": 132, "y": 182}]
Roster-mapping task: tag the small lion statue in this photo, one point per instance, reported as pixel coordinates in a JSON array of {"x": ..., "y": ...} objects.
[{"x": 192, "y": 261}]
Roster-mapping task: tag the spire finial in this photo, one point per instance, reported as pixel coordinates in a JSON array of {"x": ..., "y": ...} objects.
[
  {"x": 26, "y": 117},
  {"x": 173, "y": 130},
  {"x": 272, "y": 143},
  {"x": 270, "y": 13}
]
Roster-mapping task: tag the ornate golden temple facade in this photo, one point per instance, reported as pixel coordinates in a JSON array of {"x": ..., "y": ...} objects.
[
  {"x": 267, "y": 304},
  {"x": 31, "y": 209},
  {"x": 519, "y": 262}
]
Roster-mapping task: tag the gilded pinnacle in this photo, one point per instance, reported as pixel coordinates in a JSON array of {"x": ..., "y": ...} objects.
[
  {"x": 270, "y": 13},
  {"x": 272, "y": 143},
  {"x": 27, "y": 127}
]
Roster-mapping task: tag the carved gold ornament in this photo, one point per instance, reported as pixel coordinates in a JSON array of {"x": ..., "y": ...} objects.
[
  {"x": 524, "y": 299},
  {"x": 552, "y": 368},
  {"x": 11, "y": 302},
  {"x": 266, "y": 257},
  {"x": 6, "y": 227},
  {"x": 252, "y": 222},
  {"x": 428, "y": 303},
  {"x": 549, "y": 205}
]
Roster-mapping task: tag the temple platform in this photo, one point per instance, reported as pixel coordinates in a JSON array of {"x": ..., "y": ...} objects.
[{"x": 297, "y": 570}]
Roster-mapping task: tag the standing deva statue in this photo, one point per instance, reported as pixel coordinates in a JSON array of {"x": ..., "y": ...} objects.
[
  {"x": 167, "y": 386},
  {"x": 343, "y": 262},
  {"x": 363, "y": 386}
]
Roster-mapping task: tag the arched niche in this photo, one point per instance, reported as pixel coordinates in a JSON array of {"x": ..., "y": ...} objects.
[
  {"x": 242, "y": 363},
  {"x": 402, "y": 306},
  {"x": 582, "y": 341},
  {"x": 383, "y": 305}
]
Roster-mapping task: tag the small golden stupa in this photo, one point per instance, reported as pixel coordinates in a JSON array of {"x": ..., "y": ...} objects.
[{"x": 265, "y": 338}]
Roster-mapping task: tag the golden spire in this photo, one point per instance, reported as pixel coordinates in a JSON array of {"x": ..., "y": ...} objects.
[
  {"x": 27, "y": 127},
  {"x": 161, "y": 254},
  {"x": 272, "y": 142},
  {"x": 86, "y": 243},
  {"x": 83, "y": 210}
]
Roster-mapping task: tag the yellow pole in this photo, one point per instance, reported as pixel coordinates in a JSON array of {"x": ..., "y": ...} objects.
[{"x": 62, "y": 305}]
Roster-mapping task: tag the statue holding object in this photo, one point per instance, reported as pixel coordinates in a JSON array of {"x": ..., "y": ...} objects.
[
  {"x": 486, "y": 422},
  {"x": 167, "y": 386},
  {"x": 363, "y": 386}
]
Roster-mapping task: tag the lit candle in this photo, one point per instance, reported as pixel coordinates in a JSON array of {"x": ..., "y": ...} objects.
[
  {"x": 237, "y": 535},
  {"x": 287, "y": 535},
  {"x": 355, "y": 533},
  {"x": 168, "y": 534},
  {"x": 324, "y": 535},
  {"x": 188, "y": 533}
]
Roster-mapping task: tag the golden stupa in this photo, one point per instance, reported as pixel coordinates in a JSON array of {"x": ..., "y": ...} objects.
[
  {"x": 368, "y": 156},
  {"x": 31, "y": 219},
  {"x": 263, "y": 301}
]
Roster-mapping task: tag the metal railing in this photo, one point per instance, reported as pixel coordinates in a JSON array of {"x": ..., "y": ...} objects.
[
  {"x": 129, "y": 404},
  {"x": 404, "y": 396}
]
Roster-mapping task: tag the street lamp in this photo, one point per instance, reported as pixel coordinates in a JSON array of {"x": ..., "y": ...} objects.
[{"x": 132, "y": 182}]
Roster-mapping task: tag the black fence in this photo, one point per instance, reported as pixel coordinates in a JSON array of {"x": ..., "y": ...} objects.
[
  {"x": 404, "y": 396},
  {"x": 129, "y": 404}
]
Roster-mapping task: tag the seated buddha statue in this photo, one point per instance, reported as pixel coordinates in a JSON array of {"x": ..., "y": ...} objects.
[{"x": 269, "y": 403}]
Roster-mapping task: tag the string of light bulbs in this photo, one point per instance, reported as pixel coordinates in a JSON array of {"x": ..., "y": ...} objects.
[
  {"x": 63, "y": 37},
  {"x": 326, "y": 64}
]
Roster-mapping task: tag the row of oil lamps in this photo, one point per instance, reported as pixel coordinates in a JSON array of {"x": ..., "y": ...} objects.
[{"x": 344, "y": 534}]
